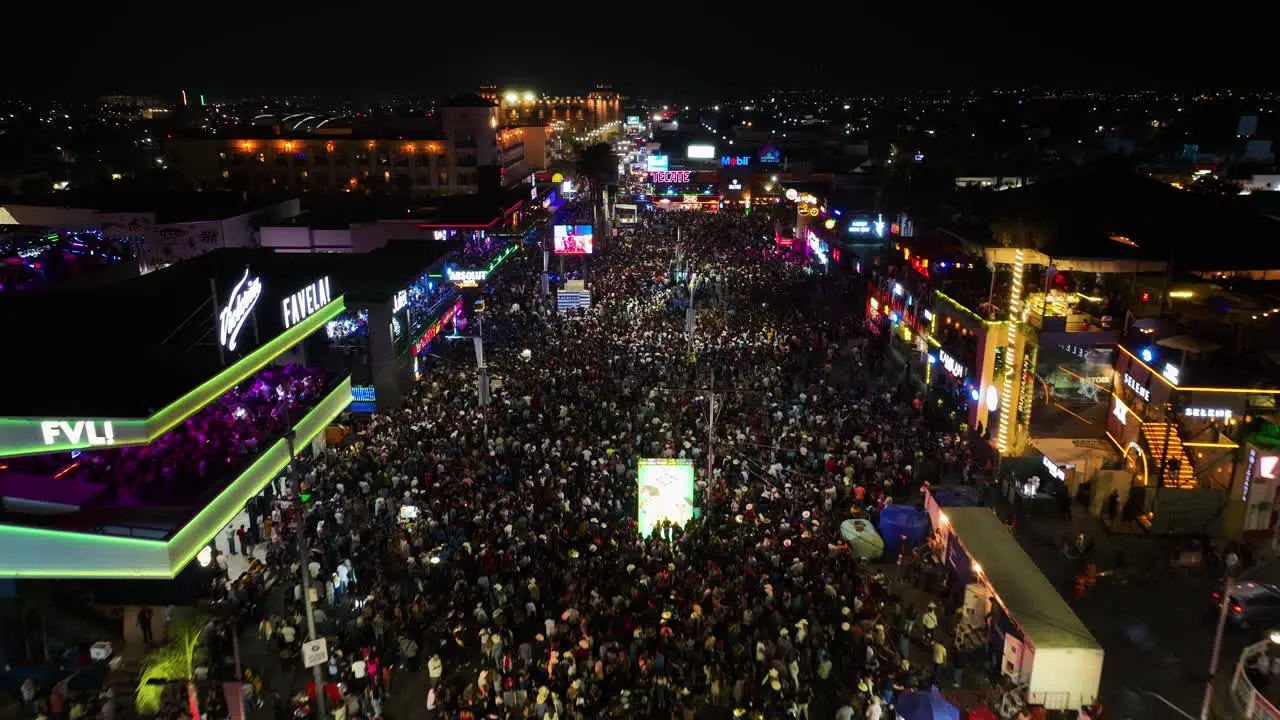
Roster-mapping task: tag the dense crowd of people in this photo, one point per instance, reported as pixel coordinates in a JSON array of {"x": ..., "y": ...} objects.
[
  {"x": 213, "y": 444},
  {"x": 494, "y": 550}
]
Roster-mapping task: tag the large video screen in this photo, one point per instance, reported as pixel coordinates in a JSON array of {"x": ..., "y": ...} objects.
[
  {"x": 701, "y": 152},
  {"x": 665, "y": 490},
  {"x": 572, "y": 239}
]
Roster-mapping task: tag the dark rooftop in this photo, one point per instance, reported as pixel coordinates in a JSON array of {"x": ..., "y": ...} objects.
[
  {"x": 1079, "y": 216},
  {"x": 340, "y": 212},
  {"x": 468, "y": 99},
  {"x": 168, "y": 207},
  {"x": 127, "y": 350}
]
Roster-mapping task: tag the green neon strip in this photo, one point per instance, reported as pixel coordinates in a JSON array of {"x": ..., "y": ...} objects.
[
  {"x": 141, "y": 432},
  {"x": 955, "y": 304},
  {"x": 186, "y": 543},
  {"x": 27, "y": 550},
  {"x": 496, "y": 261}
]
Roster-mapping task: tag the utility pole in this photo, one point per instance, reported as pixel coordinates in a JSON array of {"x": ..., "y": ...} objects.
[
  {"x": 305, "y": 560},
  {"x": 711, "y": 437}
]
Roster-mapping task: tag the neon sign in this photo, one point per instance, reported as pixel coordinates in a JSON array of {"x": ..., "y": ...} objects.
[
  {"x": 1248, "y": 474},
  {"x": 670, "y": 176},
  {"x": 303, "y": 303},
  {"x": 466, "y": 276},
  {"x": 952, "y": 365},
  {"x": 1172, "y": 373},
  {"x": 434, "y": 330},
  {"x": 72, "y": 431},
  {"x": 1120, "y": 410},
  {"x": 735, "y": 184},
  {"x": 399, "y": 302},
  {"x": 1210, "y": 413},
  {"x": 735, "y": 161},
  {"x": 244, "y": 297},
  {"x": 1137, "y": 387},
  {"x": 1054, "y": 471}
]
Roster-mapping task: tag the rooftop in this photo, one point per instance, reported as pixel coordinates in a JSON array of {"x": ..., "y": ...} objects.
[
  {"x": 1115, "y": 214},
  {"x": 1023, "y": 590},
  {"x": 341, "y": 212},
  {"x": 151, "y": 339},
  {"x": 168, "y": 207}
]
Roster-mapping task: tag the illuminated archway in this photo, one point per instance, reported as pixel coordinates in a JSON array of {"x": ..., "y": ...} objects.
[{"x": 1133, "y": 446}]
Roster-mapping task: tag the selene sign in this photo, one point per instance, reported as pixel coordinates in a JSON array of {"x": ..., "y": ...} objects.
[
  {"x": 399, "y": 302},
  {"x": 1137, "y": 387},
  {"x": 73, "y": 431},
  {"x": 244, "y": 296},
  {"x": 1210, "y": 413},
  {"x": 670, "y": 176},
  {"x": 302, "y": 304}
]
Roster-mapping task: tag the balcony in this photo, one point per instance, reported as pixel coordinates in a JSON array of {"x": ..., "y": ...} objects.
[{"x": 155, "y": 541}]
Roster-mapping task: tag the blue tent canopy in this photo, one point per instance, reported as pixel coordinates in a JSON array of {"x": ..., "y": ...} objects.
[
  {"x": 925, "y": 706},
  {"x": 903, "y": 525}
]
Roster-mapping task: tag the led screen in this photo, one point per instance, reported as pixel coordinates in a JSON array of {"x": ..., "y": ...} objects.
[
  {"x": 573, "y": 239},
  {"x": 665, "y": 490},
  {"x": 701, "y": 152},
  {"x": 657, "y": 162}
]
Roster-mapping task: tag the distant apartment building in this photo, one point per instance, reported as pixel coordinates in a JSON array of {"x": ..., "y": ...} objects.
[
  {"x": 574, "y": 115},
  {"x": 468, "y": 148}
]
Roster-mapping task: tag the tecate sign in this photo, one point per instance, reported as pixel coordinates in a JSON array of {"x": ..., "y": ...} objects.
[
  {"x": 244, "y": 297},
  {"x": 73, "y": 431},
  {"x": 670, "y": 176},
  {"x": 301, "y": 304}
]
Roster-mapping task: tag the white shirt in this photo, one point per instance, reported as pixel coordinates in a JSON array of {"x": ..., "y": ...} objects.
[
  {"x": 288, "y": 633},
  {"x": 358, "y": 668}
]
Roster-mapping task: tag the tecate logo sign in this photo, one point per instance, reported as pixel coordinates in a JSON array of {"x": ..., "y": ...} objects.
[
  {"x": 670, "y": 176},
  {"x": 244, "y": 296},
  {"x": 73, "y": 431},
  {"x": 306, "y": 301}
]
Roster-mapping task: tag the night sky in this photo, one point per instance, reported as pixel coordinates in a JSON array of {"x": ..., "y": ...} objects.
[{"x": 671, "y": 55}]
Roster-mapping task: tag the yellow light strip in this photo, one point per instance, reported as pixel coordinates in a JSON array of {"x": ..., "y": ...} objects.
[
  {"x": 1239, "y": 391},
  {"x": 1210, "y": 445},
  {"x": 1010, "y": 355},
  {"x": 1087, "y": 422}
]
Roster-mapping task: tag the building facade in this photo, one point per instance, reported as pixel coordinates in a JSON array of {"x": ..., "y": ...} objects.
[
  {"x": 575, "y": 115},
  {"x": 471, "y": 150}
]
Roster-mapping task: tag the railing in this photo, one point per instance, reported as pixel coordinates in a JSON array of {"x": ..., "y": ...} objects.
[{"x": 1246, "y": 701}]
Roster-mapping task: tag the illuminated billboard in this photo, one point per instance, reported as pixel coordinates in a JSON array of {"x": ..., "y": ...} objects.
[
  {"x": 665, "y": 491},
  {"x": 657, "y": 162},
  {"x": 572, "y": 239},
  {"x": 701, "y": 152},
  {"x": 633, "y": 119}
]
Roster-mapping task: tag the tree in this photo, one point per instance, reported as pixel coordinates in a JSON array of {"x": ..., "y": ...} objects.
[{"x": 174, "y": 662}]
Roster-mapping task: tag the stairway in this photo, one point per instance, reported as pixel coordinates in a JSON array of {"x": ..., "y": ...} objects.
[
  {"x": 1155, "y": 433},
  {"x": 123, "y": 681}
]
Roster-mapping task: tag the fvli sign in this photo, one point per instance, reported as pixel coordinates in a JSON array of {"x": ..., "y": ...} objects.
[
  {"x": 298, "y": 306},
  {"x": 244, "y": 297},
  {"x": 73, "y": 431}
]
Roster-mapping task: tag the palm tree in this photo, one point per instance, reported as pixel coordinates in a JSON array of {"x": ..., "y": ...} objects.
[{"x": 174, "y": 662}]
